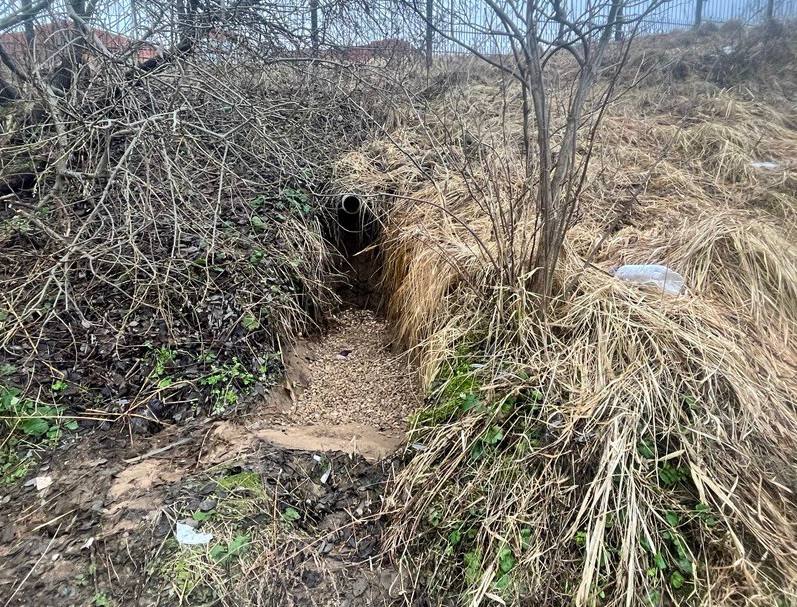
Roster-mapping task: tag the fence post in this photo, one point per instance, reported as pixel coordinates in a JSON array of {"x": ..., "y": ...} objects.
[
  {"x": 618, "y": 24},
  {"x": 314, "y": 26},
  {"x": 429, "y": 34},
  {"x": 698, "y": 13},
  {"x": 29, "y": 32},
  {"x": 770, "y": 10}
]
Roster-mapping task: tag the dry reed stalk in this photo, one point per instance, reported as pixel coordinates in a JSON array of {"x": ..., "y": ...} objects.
[{"x": 634, "y": 449}]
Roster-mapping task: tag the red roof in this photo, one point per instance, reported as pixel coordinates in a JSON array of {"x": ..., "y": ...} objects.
[
  {"x": 50, "y": 39},
  {"x": 386, "y": 47}
]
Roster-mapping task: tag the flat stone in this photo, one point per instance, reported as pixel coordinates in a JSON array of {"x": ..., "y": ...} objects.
[{"x": 206, "y": 505}]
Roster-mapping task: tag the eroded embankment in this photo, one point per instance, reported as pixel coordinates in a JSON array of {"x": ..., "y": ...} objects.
[{"x": 289, "y": 491}]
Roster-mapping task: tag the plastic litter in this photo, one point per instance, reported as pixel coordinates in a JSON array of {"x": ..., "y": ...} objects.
[
  {"x": 652, "y": 275},
  {"x": 326, "y": 474},
  {"x": 768, "y": 166},
  {"x": 327, "y": 471},
  {"x": 188, "y": 536},
  {"x": 40, "y": 482}
]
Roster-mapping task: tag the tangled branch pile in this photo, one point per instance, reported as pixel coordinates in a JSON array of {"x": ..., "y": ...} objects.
[
  {"x": 161, "y": 228},
  {"x": 630, "y": 448}
]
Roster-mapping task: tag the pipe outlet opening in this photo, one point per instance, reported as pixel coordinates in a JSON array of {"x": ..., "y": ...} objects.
[{"x": 350, "y": 204}]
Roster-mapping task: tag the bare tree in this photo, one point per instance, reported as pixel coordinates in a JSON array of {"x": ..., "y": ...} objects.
[{"x": 535, "y": 42}]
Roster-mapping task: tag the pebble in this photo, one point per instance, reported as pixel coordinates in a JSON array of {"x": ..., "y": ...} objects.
[
  {"x": 206, "y": 505},
  {"x": 359, "y": 587}
]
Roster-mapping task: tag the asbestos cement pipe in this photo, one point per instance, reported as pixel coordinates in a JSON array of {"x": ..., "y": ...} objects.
[{"x": 350, "y": 204}]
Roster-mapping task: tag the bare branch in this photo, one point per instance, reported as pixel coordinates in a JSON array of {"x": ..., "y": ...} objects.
[{"x": 23, "y": 14}]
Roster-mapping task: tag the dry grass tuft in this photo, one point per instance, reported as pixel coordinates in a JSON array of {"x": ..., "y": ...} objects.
[
  {"x": 745, "y": 263},
  {"x": 630, "y": 448}
]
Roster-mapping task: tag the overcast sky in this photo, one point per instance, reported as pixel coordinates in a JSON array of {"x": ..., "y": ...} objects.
[{"x": 461, "y": 18}]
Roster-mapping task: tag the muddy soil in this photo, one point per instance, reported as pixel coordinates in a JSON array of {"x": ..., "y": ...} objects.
[{"x": 94, "y": 524}]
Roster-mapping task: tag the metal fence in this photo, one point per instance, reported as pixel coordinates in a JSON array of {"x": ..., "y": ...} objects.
[
  {"x": 473, "y": 22},
  {"x": 468, "y": 20},
  {"x": 683, "y": 14},
  {"x": 436, "y": 27}
]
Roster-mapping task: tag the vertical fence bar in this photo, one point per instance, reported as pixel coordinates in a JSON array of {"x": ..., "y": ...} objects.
[
  {"x": 698, "y": 13},
  {"x": 29, "y": 33},
  {"x": 666, "y": 17},
  {"x": 314, "y": 27},
  {"x": 134, "y": 17},
  {"x": 429, "y": 34}
]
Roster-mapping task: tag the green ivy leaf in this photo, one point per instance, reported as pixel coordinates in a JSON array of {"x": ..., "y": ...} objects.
[
  {"x": 477, "y": 450},
  {"x": 670, "y": 475},
  {"x": 257, "y": 202},
  {"x": 493, "y": 436},
  {"x": 258, "y": 225},
  {"x": 238, "y": 545},
  {"x": 506, "y": 560},
  {"x": 685, "y": 565},
  {"x": 8, "y": 399},
  {"x": 249, "y": 322},
  {"x": 503, "y": 582},
  {"x": 677, "y": 580},
  {"x": 469, "y": 401},
  {"x": 704, "y": 514},
  {"x": 218, "y": 553},
  {"x": 473, "y": 563},
  {"x": 525, "y": 537},
  {"x": 101, "y": 600},
  {"x": 645, "y": 449},
  {"x": 34, "y": 426},
  {"x": 290, "y": 515},
  {"x": 679, "y": 544}
]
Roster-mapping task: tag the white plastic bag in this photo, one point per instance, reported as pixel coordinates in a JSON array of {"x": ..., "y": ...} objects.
[
  {"x": 767, "y": 165},
  {"x": 187, "y": 536},
  {"x": 652, "y": 275}
]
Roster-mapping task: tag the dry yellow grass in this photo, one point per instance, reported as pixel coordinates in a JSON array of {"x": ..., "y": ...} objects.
[{"x": 631, "y": 448}]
